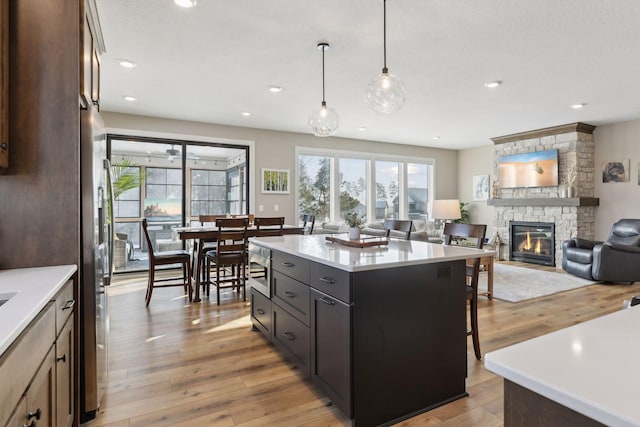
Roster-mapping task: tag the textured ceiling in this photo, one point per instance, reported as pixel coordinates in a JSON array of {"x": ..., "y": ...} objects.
[{"x": 212, "y": 62}]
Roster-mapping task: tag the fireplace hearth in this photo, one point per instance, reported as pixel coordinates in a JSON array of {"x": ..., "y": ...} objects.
[{"x": 532, "y": 242}]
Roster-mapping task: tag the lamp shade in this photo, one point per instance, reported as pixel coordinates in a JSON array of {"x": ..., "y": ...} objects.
[{"x": 446, "y": 209}]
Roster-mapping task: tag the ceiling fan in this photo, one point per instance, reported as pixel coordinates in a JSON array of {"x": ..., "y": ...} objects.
[{"x": 172, "y": 153}]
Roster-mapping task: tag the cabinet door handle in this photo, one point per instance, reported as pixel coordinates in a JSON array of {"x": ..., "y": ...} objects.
[
  {"x": 289, "y": 336},
  {"x": 288, "y": 264},
  {"x": 62, "y": 358},
  {"x": 327, "y": 301},
  {"x": 289, "y": 294},
  {"x": 260, "y": 311},
  {"x": 328, "y": 280},
  {"x": 31, "y": 424},
  {"x": 36, "y": 414},
  {"x": 69, "y": 304}
]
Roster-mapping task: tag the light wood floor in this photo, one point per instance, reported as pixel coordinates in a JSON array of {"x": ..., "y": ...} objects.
[{"x": 178, "y": 364}]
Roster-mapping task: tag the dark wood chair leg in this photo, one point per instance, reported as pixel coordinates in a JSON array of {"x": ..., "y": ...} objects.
[
  {"x": 150, "y": 285},
  {"x": 474, "y": 328}
]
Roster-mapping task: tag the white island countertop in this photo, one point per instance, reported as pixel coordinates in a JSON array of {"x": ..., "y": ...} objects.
[
  {"x": 29, "y": 289},
  {"x": 589, "y": 367},
  {"x": 398, "y": 253}
]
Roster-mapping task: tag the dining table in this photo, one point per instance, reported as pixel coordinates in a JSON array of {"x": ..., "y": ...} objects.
[{"x": 209, "y": 233}]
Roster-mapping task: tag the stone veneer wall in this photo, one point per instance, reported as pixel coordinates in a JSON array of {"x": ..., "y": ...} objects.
[{"x": 575, "y": 145}]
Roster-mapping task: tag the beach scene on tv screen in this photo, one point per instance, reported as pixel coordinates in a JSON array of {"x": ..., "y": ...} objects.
[{"x": 537, "y": 169}]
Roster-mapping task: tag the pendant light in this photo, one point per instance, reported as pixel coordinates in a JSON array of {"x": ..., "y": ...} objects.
[
  {"x": 324, "y": 121},
  {"x": 385, "y": 93}
]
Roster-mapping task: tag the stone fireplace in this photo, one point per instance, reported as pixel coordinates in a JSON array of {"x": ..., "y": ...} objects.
[{"x": 571, "y": 216}]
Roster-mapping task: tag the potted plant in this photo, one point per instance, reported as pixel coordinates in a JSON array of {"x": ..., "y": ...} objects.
[{"x": 354, "y": 221}]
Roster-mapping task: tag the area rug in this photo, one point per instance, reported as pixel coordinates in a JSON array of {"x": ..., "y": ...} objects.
[{"x": 515, "y": 284}]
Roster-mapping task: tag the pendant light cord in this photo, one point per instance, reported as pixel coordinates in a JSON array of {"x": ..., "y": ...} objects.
[
  {"x": 384, "y": 32},
  {"x": 323, "y": 48}
]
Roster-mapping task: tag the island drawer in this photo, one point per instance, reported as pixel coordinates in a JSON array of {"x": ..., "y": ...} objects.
[
  {"x": 331, "y": 281},
  {"x": 291, "y": 295},
  {"x": 261, "y": 313},
  {"x": 291, "y": 337},
  {"x": 290, "y": 265},
  {"x": 64, "y": 305}
]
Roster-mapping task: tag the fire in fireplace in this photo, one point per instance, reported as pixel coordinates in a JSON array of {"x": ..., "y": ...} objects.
[{"x": 532, "y": 242}]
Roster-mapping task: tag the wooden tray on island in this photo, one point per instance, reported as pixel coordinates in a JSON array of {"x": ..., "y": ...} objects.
[{"x": 366, "y": 242}]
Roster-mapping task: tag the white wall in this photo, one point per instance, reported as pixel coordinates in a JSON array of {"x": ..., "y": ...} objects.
[
  {"x": 617, "y": 200},
  {"x": 274, "y": 149},
  {"x": 476, "y": 161}
]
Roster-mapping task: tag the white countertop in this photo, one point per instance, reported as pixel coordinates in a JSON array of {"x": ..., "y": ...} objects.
[
  {"x": 398, "y": 253},
  {"x": 590, "y": 367},
  {"x": 32, "y": 289}
]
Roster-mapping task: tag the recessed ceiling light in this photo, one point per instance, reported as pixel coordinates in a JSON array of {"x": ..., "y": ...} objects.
[
  {"x": 126, "y": 63},
  {"x": 578, "y": 106},
  {"x": 185, "y": 3},
  {"x": 362, "y": 128},
  {"x": 275, "y": 89},
  {"x": 130, "y": 98},
  {"x": 493, "y": 84},
  {"x": 246, "y": 113},
  {"x": 435, "y": 138}
]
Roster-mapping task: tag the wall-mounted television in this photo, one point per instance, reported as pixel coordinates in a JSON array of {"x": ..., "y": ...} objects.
[{"x": 536, "y": 169}]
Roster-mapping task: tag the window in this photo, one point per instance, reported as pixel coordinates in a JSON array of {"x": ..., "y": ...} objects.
[
  {"x": 208, "y": 188},
  {"x": 126, "y": 191},
  {"x": 387, "y": 187},
  {"x": 314, "y": 186},
  {"x": 353, "y": 186},
  {"x": 418, "y": 176},
  {"x": 163, "y": 193},
  {"x": 375, "y": 186}
]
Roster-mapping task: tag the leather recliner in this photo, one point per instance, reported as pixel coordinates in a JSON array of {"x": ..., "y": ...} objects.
[{"x": 616, "y": 260}]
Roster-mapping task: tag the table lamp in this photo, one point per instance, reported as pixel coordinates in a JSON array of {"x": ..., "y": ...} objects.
[{"x": 446, "y": 210}]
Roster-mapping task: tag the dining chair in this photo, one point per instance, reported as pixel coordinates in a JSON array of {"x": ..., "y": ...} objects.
[
  {"x": 398, "y": 225},
  {"x": 230, "y": 252},
  {"x": 269, "y": 226},
  {"x": 458, "y": 233},
  {"x": 207, "y": 244},
  {"x": 308, "y": 221},
  {"x": 181, "y": 257}
]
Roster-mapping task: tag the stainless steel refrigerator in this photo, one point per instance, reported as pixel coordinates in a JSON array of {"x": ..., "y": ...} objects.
[{"x": 97, "y": 254}]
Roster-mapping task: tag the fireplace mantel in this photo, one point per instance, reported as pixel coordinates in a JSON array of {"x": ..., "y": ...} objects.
[{"x": 546, "y": 201}]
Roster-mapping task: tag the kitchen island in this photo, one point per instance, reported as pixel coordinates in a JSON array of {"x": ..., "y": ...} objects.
[
  {"x": 380, "y": 330},
  {"x": 583, "y": 375}
]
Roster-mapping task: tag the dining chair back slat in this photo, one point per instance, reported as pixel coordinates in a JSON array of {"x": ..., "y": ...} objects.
[
  {"x": 269, "y": 226},
  {"x": 398, "y": 225}
]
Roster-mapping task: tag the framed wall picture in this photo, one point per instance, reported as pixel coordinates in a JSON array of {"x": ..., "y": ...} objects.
[
  {"x": 480, "y": 187},
  {"x": 616, "y": 171},
  {"x": 275, "y": 181}
]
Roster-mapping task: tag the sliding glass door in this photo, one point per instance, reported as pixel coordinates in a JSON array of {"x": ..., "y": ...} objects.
[{"x": 171, "y": 183}]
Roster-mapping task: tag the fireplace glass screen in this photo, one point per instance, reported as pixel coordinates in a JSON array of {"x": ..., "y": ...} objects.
[{"x": 532, "y": 242}]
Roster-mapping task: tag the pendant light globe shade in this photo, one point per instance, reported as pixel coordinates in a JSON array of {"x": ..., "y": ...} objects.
[
  {"x": 385, "y": 94},
  {"x": 324, "y": 121}
]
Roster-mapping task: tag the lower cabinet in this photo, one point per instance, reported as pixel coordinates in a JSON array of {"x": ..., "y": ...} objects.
[
  {"x": 64, "y": 376},
  {"x": 37, "y": 406},
  {"x": 261, "y": 313},
  {"x": 37, "y": 371},
  {"x": 331, "y": 349},
  {"x": 291, "y": 336}
]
